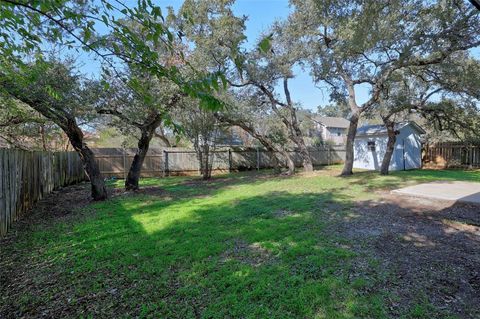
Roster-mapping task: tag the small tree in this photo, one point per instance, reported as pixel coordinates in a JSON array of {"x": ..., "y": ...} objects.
[
  {"x": 201, "y": 127},
  {"x": 218, "y": 35},
  {"x": 141, "y": 106}
]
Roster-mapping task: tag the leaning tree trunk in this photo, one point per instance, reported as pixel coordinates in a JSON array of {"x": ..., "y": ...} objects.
[
  {"x": 75, "y": 135},
  {"x": 133, "y": 177},
  {"x": 290, "y": 162},
  {"x": 349, "y": 155},
  {"x": 293, "y": 126},
  {"x": 277, "y": 167},
  {"x": 265, "y": 141},
  {"x": 69, "y": 126},
  {"x": 305, "y": 154},
  {"x": 147, "y": 130},
  {"x": 390, "y": 125}
]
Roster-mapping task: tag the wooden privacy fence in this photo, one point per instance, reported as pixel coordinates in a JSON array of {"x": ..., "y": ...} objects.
[
  {"x": 26, "y": 177},
  {"x": 115, "y": 162},
  {"x": 451, "y": 155}
]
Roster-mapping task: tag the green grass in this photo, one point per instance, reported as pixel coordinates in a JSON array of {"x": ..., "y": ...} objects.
[{"x": 240, "y": 246}]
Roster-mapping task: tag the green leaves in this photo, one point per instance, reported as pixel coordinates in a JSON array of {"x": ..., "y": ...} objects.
[
  {"x": 52, "y": 92},
  {"x": 265, "y": 44}
]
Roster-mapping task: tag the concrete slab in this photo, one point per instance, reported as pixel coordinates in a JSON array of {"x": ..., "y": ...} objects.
[{"x": 465, "y": 192}]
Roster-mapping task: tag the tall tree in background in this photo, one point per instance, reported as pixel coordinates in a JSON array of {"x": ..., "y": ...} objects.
[
  {"x": 336, "y": 109},
  {"x": 218, "y": 36},
  {"x": 265, "y": 70},
  {"x": 264, "y": 81},
  {"x": 351, "y": 43}
]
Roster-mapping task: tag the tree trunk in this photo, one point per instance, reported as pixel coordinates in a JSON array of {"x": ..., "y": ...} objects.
[
  {"x": 133, "y": 177},
  {"x": 392, "y": 137},
  {"x": 290, "y": 163},
  {"x": 206, "y": 168},
  {"x": 147, "y": 132},
  {"x": 349, "y": 154},
  {"x": 75, "y": 136},
  {"x": 277, "y": 167},
  {"x": 66, "y": 142},
  {"x": 305, "y": 154},
  {"x": 294, "y": 127},
  {"x": 265, "y": 141}
]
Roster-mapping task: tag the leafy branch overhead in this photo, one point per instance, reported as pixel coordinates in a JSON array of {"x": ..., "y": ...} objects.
[{"x": 28, "y": 28}]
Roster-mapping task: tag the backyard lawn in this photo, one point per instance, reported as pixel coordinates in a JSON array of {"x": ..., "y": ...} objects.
[{"x": 247, "y": 245}]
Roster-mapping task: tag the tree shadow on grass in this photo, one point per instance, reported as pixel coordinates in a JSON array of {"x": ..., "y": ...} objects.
[
  {"x": 274, "y": 254},
  {"x": 188, "y": 186},
  {"x": 260, "y": 256}
]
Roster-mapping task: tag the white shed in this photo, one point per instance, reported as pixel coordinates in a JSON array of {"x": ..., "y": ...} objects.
[{"x": 371, "y": 143}]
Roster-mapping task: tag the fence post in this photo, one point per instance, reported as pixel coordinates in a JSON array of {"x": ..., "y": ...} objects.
[
  {"x": 124, "y": 164},
  {"x": 165, "y": 153}
]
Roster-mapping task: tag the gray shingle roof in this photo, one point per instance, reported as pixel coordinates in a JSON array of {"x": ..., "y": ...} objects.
[
  {"x": 329, "y": 121},
  {"x": 381, "y": 129}
]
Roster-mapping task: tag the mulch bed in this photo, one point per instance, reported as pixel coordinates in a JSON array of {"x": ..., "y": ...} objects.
[{"x": 430, "y": 250}]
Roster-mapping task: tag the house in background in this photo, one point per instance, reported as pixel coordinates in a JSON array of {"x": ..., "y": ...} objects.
[
  {"x": 371, "y": 144},
  {"x": 333, "y": 129}
]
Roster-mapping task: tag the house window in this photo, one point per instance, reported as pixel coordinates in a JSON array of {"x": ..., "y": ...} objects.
[
  {"x": 371, "y": 145},
  {"x": 339, "y": 134}
]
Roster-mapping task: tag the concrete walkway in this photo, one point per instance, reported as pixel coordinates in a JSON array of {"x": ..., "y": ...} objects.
[{"x": 465, "y": 192}]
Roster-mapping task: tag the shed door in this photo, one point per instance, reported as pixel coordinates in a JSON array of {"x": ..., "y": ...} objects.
[{"x": 412, "y": 154}]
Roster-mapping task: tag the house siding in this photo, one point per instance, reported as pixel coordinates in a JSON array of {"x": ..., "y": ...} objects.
[{"x": 331, "y": 134}]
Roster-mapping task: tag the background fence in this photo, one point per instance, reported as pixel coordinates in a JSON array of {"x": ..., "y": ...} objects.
[
  {"x": 26, "y": 177},
  {"x": 115, "y": 162},
  {"x": 451, "y": 155}
]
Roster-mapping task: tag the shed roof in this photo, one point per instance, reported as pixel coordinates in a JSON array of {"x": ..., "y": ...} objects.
[
  {"x": 330, "y": 121},
  {"x": 381, "y": 129}
]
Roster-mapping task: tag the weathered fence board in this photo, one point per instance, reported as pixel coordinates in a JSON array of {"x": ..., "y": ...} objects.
[
  {"x": 26, "y": 177},
  {"x": 451, "y": 155},
  {"x": 115, "y": 162}
]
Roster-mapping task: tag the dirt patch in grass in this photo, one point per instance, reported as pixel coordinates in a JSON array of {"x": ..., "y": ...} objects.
[
  {"x": 282, "y": 213},
  {"x": 429, "y": 251},
  {"x": 250, "y": 254},
  {"x": 149, "y": 190}
]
